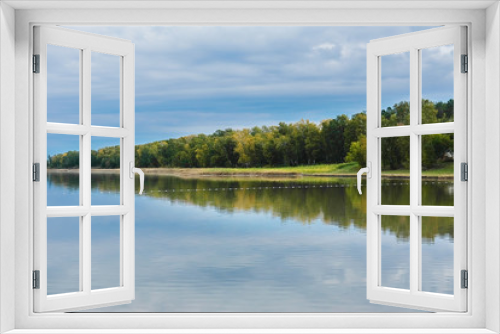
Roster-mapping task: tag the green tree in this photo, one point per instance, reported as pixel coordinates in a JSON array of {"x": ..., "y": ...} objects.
[
  {"x": 436, "y": 149},
  {"x": 332, "y": 136},
  {"x": 286, "y": 144},
  {"x": 357, "y": 152},
  {"x": 354, "y": 129},
  {"x": 429, "y": 112}
]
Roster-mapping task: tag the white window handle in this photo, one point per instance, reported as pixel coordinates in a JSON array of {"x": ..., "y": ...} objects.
[
  {"x": 368, "y": 171},
  {"x": 134, "y": 170}
]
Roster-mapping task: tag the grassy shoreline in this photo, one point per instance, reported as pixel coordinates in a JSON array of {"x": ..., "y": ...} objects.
[{"x": 336, "y": 170}]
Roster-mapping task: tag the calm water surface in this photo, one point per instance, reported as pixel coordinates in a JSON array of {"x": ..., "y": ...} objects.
[{"x": 241, "y": 244}]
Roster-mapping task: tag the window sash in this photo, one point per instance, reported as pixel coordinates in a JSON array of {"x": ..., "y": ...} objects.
[
  {"x": 86, "y": 297},
  {"x": 414, "y": 297}
]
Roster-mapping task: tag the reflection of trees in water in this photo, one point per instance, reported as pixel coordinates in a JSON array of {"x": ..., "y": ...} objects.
[
  {"x": 432, "y": 227},
  {"x": 436, "y": 226},
  {"x": 101, "y": 182},
  {"x": 338, "y": 205},
  {"x": 69, "y": 181},
  {"x": 397, "y": 225}
]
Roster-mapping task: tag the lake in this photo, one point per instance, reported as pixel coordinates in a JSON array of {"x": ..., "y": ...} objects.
[{"x": 248, "y": 244}]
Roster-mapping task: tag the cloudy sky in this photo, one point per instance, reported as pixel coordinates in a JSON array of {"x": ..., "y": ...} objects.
[{"x": 192, "y": 80}]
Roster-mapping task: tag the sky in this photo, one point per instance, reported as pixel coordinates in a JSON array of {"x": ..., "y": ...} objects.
[{"x": 192, "y": 79}]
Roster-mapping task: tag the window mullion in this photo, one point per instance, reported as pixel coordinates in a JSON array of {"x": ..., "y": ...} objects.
[
  {"x": 414, "y": 170},
  {"x": 85, "y": 166},
  {"x": 127, "y": 196},
  {"x": 418, "y": 167},
  {"x": 85, "y": 174}
]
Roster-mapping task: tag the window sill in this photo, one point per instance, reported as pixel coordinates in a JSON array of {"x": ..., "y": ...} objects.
[{"x": 248, "y": 331}]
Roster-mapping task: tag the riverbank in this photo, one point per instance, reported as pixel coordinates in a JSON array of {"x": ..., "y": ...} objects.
[{"x": 337, "y": 170}]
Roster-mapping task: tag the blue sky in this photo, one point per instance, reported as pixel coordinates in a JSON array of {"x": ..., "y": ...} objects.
[{"x": 192, "y": 80}]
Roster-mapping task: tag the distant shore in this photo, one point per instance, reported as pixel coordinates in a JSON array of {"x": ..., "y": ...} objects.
[{"x": 320, "y": 171}]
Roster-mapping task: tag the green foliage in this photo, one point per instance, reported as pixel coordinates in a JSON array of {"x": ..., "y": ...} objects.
[
  {"x": 69, "y": 159},
  {"x": 436, "y": 149},
  {"x": 354, "y": 129},
  {"x": 107, "y": 157},
  {"x": 332, "y": 136},
  {"x": 398, "y": 115},
  {"x": 395, "y": 153},
  {"x": 338, "y": 140},
  {"x": 357, "y": 152}
]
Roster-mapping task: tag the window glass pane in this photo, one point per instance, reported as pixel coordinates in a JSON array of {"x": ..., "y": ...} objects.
[
  {"x": 105, "y": 252},
  {"x": 105, "y": 89},
  {"x": 437, "y": 254},
  {"x": 437, "y": 84},
  {"x": 395, "y": 89},
  {"x": 63, "y": 84},
  {"x": 395, "y": 170},
  {"x": 437, "y": 169},
  {"x": 63, "y": 178},
  {"x": 63, "y": 254},
  {"x": 105, "y": 160},
  {"x": 395, "y": 250}
]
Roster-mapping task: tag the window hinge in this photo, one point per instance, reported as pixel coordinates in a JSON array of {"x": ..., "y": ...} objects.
[
  {"x": 465, "y": 279},
  {"x": 36, "y": 63},
  {"x": 36, "y": 172},
  {"x": 464, "y": 171},
  {"x": 36, "y": 279},
  {"x": 465, "y": 64}
]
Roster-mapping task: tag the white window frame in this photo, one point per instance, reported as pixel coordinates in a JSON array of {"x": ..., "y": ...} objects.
[
  {"x": 483, "y": 244},
  {"x": 414, "y": 43},
  {"x": 86, "y": 44}
]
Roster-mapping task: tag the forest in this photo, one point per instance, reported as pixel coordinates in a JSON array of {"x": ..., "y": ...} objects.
[{"x": 337, "y": 140}]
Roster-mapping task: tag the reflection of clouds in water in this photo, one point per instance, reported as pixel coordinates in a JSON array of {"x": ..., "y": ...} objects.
[
  {"x": 317, "y": 268},
  {"x": 395, "y": 257},
  {"x": 194, "y": 258},
  {"x": 63, "y": 253},
  {"x": 437, "y": 266},
  {"x": 62, "y": 266},
  {"x": 396, "y": 277},
  {"x": 105, "y": 252}
]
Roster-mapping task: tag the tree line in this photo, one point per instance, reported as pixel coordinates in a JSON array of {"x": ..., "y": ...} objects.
[{"x": 338, "y": 140}]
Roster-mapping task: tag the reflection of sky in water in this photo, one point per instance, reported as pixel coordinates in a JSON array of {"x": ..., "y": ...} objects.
[
  {"x": 395, "y": 256},
  {"x": 105, "y": 248},
  {"x": 437, "y": 257},
  {"x": 62, "y": 254},
  {"x": 197, "y": 257},
  {"x": 437, "y": 266}
]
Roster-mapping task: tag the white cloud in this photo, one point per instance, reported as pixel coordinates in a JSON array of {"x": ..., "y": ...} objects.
[
  {"x": 185, "y": 64},
  {"x": 324, "y": 46},
  {"x": 444, "y": 51},
  {"x": 182, "y": 62}
]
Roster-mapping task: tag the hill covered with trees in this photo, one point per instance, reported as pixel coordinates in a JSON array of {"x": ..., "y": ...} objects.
[{"x": 338, "y": 140}]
